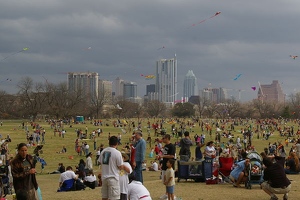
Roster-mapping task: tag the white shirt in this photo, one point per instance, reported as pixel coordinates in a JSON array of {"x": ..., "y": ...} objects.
[
  {"x": 124, "y": 178},
  {"x": 69, "y": 174},
  {"x": 89, "y": 163},
  {"x": 136, "y": 190},
  {"x": 90, "y": 178},
  {"x": 110, "y": 159},
  {"x": 155, "y": 166}
]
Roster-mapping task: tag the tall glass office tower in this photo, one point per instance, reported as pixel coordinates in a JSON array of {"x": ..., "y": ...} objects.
[
  {"x": 190, "y": 85},
  {"x": 166, "y": 80}
]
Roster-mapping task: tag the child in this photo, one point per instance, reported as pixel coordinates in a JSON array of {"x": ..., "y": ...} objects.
[
  {"x": 124, "y": 176},
  {"x": 170, "y": 179}
]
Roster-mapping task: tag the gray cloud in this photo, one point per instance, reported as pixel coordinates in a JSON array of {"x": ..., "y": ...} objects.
[{"x": 254, "y": 38}]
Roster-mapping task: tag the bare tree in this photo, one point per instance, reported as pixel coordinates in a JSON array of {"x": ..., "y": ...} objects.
[
  {"x": 8, "y": 105},
  {"x": 155, "y": 108}
]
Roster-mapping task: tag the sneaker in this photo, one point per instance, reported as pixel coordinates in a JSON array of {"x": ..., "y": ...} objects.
[
  {"x": 285, "y": 197},
  {"x": 164, "y": 196},
  {"x": 274, "y": 198}
]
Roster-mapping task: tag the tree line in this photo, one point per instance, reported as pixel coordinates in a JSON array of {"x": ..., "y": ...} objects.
[{"x": 57, "y": 102}]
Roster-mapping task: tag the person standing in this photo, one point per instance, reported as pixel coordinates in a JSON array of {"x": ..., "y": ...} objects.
[
  {"x": 210, "y": 151},
  {"x": 185, "y": 144},
  {"x": 170, "y": 179},
  {"x": 23, "y": 173},
  {"x": 140, "y": 150},
  {"x": 275, "y": 179},
  {"x": 124, "y": 176},
  {"x": 89, "y": 163},
  {"x": 111, "y": 162},
  {"x": 168, "y": 152}
]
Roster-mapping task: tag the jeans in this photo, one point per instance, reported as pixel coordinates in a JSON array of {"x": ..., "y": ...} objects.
[{"x": 138, "y": 171}]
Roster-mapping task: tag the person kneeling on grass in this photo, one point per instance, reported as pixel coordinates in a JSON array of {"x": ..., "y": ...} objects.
[
  {"x": 275, "y": 179},
  {"x": 136, "y": 190},
  {"x": 240, "y": 173}
]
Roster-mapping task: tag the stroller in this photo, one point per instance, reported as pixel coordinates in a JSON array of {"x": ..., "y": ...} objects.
[
  {"x": 4, "y": 181},
  {"x": 255, "y": 170}
]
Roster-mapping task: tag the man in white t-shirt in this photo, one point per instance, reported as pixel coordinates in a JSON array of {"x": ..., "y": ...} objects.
[
  {"x": 69, "y": 174},
  {"x": 111, "y": 162}
]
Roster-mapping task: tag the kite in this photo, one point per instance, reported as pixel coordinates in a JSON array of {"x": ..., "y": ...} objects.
[
  {"x": 119, "y": 107},
  {"x": 89, "y": 48},
  {"x": 216, "y": 14},
  {"x": 161, "y": 48},
  {"x": 8, "y": 79},
  {"x": 24, "y": 49},
  {"x": 253, "y": 88},
  {"x": 148, "y": 77},
  {"x": 294, "y": 57},
  {"x": 237, "y": 77}
]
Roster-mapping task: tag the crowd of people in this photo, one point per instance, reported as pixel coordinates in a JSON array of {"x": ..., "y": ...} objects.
[{"x": 121, "y": 173}]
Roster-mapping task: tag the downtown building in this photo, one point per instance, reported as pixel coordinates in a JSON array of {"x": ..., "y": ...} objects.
[
  {"x": 166, "y": 80},
  {"x": 84, "y": 82},
  {"x": 271, "y": 93},
  {"x": 215, "y": 95},
  {"x": 105, "y": 91},
  {"x": 190, "y": 87}
]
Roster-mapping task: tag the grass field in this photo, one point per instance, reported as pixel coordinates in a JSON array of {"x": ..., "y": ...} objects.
[{"x": 185, "y": 189}]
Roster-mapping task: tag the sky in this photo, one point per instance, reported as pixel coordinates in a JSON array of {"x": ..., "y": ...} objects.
[{"x": 124, "y": 38}]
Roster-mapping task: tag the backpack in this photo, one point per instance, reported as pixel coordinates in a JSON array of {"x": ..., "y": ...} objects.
[{"x": 79, "y": 185}]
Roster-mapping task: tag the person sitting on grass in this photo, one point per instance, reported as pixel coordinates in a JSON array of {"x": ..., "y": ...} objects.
[
  {"x": 240, "y": 173},
  {"x": 90, "y": 180},
  {"x": 66, "y": 180},
  {"x": 61, "y": 168},
  {"x": 292, "y": 164}
]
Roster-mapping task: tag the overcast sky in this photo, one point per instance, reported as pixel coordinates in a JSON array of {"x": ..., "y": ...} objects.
[{"x": 253, "y": 38}]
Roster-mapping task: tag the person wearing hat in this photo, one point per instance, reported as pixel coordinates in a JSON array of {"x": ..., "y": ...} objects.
[
  {"x": 89, "y": 162},
  {"x": 124, "y": 176},
  {"x": 140, "y": 150}
]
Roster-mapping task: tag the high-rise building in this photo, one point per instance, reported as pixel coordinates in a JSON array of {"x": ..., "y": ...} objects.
[
  {"x": 166, "y": 80},
  {"x": 105, "y": 91},
  {"x": 85, "y": 82},
  {"x": 150, "y": 88},
  {"x": 271, "y": 93},
  {"x": 216, "y": 95},
  {"x": 190, "y": 87},
  {"x": 118, "y": 87},
  {"x": 130, "y": 90}
]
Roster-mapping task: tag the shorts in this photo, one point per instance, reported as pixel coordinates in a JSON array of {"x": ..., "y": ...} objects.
[
  {"x": 110, "y": 188},
  {"x": 163, "y": 172},
  {"x": 170, "y": 189},
  {"x": 266, "y": 186}
]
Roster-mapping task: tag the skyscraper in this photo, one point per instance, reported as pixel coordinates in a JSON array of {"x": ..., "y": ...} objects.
[
  {"x": 105, "y": 91},
  {"x": 130, "y": 90},
  {"x": 166, "y": 80},
  {"x": 85, "y": 82},
  {"x": 190, "y": 85},
  {"x": 118, "y": 87}
]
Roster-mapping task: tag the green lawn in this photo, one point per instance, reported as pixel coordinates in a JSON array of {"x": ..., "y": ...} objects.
[{"x": 186, "y": 190}]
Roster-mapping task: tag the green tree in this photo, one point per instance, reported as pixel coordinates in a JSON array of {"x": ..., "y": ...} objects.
[{"x": 183, "y": 110}]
